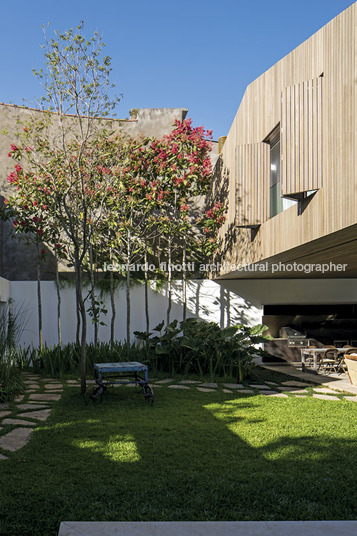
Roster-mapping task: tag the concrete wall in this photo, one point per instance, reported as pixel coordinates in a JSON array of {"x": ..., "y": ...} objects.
[
  {"x": 207, "y": 300},
  {"x": 18, "y": 261}
]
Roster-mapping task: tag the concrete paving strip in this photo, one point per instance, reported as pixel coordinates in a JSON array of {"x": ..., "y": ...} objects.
[
  {"x": 41, "y": 414},
  {"x": 45, "y": 396},
  {"x": 19, "y": 398},
  {"x": 208, "y": 528},
  {"x": 267, "y": 392},
  {"x": 72, "y": 382},
  {"x": 204, "y": 390},
  {"x": 32, "y": 386},
  {"x": 234, "y": 385},
  {"x": 178, "y": 387},
  {"x": 15, "y": 439},
  {"x": 4, "y": 413},
  {"x": 293, "y": 383},
  {"x": 351, "y": 398},
  {"x": 280, "y": 395},
  {"x": 209, "y": 385},
  {"x": 227, "y": 391},
  {"x": 245, "y": 391},
  {"x": 2, "y": 457},
  {"x": 18, "y": 422},
  {"x": 259, "y": 386},
  {"x": 53, "y": 386}
]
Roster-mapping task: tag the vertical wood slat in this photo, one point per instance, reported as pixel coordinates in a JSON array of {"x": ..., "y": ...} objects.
[
  {"x": 252, "y": 176},
  {"x": 301, "y": 137}
]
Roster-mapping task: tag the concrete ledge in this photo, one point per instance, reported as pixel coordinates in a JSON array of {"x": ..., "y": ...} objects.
[{"x": 209, "y": 528}]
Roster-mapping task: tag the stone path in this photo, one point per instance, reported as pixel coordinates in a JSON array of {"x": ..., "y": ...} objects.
[
  {"x": 16, "y": 424},
  {"x": 29, "y": 409}
]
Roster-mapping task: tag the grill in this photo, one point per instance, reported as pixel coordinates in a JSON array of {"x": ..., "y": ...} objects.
[{"x": 294, "y": 337}]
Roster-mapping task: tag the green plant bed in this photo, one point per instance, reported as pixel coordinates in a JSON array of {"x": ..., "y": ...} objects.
[{"x": 190, "y": 456}]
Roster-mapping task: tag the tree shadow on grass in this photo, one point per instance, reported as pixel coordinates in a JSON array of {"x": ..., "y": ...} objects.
[{"x": 198, "y": 457}]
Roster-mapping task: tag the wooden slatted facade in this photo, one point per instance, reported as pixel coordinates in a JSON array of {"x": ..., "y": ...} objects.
[
  {"x": 252, "y": 165},
  {"x": 301, "y": 137},
  {"x": 318, "y": 144}
]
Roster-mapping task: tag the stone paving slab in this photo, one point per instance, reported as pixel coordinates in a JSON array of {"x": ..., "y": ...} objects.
[
  {"x": 325, "y": 397},
  {"x": 2, "y": 457},
  {"x": 41, "y": 414},
  {"x": 31, "y": 406},
  {"x": 351, "y": 398},
  {"x": 19, "y": 398},
  {"x": 324, "y": 390},
  {"x": 267, "y": 392},
  {"x": 18, "y": 422},
  {"x": 299, "y": 392},
  {"x": 15, "y": 439},
  {"x": 72, "y": 382},
  {"x": 188, "y": 381},
  {"x": 178, "y": 387},
  {"x": 245, "y": 391},
  {"x": 167, "y": 380},
  {"x": 234, "y": 385},
  {"x": 53, "y": 386},
  {"x": 4, "y": 413},
  {"x": 259, "y": 386},
  {"x": 227, "y": 391},
  {"x": 280, "y": 395},
  {"x": 208, "y": 528},
  {"x": 54, "y": 397},
  {"x": 294, "y": 383},
  {"x": 209, "y": 385},
  {"x": 32, "y": 386},
  {"x": 204, "y": 390}
]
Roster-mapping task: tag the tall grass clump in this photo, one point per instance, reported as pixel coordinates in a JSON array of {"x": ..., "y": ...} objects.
[{"x": 11, "y": 383}]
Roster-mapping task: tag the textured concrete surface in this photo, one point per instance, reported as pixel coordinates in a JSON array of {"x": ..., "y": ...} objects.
[
  {"x": 48, "y": 397},
  {"x": 15, "y": 439},
  {"x": 41, "y": 414},
  {"x": 209, "y": 528}
]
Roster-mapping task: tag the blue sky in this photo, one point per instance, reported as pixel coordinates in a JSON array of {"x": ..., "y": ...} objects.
[{"x": 197, "y": 54}]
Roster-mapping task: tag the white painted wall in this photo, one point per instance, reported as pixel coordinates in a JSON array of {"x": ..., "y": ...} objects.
[{"x": 206, "y": 300}]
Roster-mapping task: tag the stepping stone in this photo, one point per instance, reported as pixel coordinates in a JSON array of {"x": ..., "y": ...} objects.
[
  {"x": 31, "y": 406},
  {"x": 325, "y": 390},
  {"x": 259, "y": 386},
  {"x": 299, "y": 392},
  {"x": 178, "y": 387},
  {"x": 227, "y": 391},
  {"x": 45, "y": 396},
  {"x": 286, "y": 388},
  {"x": 188, "y": 381},
  {"x": 18, "y": 422},
  {"x": 280, "y": 395},
  {"x": 246, "y": 391},
  {"x": 4, "y": 413},
  {"x": 2, "y": 457},
  {"x": 209, "y": 385},
  {"x": 204, "y": 390},
  {"x": 233, "y": 385},
  {"x": 32, "y": 386},
  {"x": 325, "y": 397},
  {"x": 34, "y": 402},
  {"x": 15, "y": 439},
  {"x": 72, "y": 382},
  {"x": 19, "y": 398},
  {"x": 271, "y": 383},
  {"x": 4, "y": 405},
  {"x": 351, "y": 398},
  {"x": 41, "y": 414},
  {"x": 168, "y": 380},
  {"x": 294, "y": 383},
  {"x": 268, "y": 393},
  {"x": 53, "y": 386}
]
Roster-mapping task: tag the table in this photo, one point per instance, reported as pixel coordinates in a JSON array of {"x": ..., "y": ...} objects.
[
  {"x": 315, "y": 352},
  {"x": 126, "y": 368}
]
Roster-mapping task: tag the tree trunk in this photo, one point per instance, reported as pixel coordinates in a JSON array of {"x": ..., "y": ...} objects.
[
  {"x": 112, "y": 301},
  {"x": 146, "y": 292},
  {"x": 39, "y": 301},
  {"x": 128, "y": 304},
  {"x": 184, "y": 283},
  {"x": 58, "y": 289},
  {"x": 95, "y": 311},
  {"x": 82, "y": 310},
  {"x": 169, "y": 282},
  {"x": 78, "y": 327}
]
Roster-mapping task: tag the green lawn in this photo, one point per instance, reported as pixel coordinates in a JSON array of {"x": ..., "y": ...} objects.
[{"x": 190, "y": 456}]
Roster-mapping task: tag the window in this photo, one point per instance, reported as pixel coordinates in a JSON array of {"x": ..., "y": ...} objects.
[{"x": 277, "y": 202}]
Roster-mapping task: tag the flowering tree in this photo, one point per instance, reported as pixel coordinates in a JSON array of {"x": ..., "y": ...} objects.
[{"x": 62, "y": 152}]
